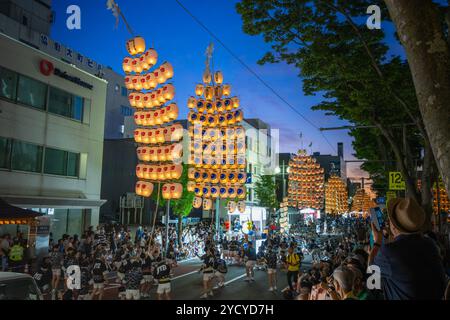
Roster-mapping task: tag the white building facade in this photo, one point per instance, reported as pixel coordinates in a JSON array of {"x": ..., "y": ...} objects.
[{"x": 51, "y": 136}]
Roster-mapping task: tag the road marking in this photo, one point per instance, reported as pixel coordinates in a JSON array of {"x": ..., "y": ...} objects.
[
  {"x": 185, "y": 274},
  {"x": 237, "y": 278}
]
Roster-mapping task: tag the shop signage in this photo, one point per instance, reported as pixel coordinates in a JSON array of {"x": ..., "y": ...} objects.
[
  {"x": 396, "y": 181},
  {"x": 47, "y": 68}
]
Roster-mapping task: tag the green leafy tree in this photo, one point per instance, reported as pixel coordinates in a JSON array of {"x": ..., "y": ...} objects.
[
  {"x": 347, "y": 64},
  {"x": 265, "y": 190}
]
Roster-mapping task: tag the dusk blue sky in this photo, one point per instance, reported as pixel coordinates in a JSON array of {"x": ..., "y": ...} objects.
[{"x": 181, "y": 41}]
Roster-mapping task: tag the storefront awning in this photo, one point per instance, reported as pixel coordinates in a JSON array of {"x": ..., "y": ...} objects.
[
  {"x": 56, "y": 203},
  {"x": 10, "y": 214}
]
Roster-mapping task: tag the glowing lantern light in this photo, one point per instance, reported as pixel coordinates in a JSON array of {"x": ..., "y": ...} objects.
[
  {"x": 159, "y": 76},
  {"x": 206, "y": 192},
  {"x": 214, "y": 192},
  {"x": 131, "y": 99},
  {"x": 197, "y": 202},
  {"x": 220, "y": 107},
  {"x": 218, "y": 77},
  {"x": 139, "y": 100},
  {"x": 190, "y": 186},
  {"x": 137, "y": 85},
  {"x": 241, "y": 192},
  {"x": 150, "y": 80},
  {"x": 218, "y": 92},
  {"x": 231, "y": 206},
  {"x": 168, "y": 92},
  {"x": 150, "y": 58},
  {"x": 209, "y": 92},
  {"x": 236, "y": 102},
  {"x": 136, "y": 46},
  {"x": 223, "y": 192},
  {"x": 126, "y": 65},
  {"x": 166, "y": 191},
  {"x": 226, "y": 90},
  {"x": 209, "y": 107},
  {"x": 144, "y": 189},
  {"x": 129, "y": 83},
  {"x": 192, "y": 102},
  {"x": 207, "y": 204},
  {"x": 176, "y": 171},
  {"x": 167, "y": 70},
  {"x": 199, "y": 88},
  {"x": 176, "y": 190},
  {"x": 136, "y": 65},
  {"x": 241, "y": 206}
]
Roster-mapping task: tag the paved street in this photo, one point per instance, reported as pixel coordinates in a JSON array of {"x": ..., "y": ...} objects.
[{"x": 187, "y": 284}]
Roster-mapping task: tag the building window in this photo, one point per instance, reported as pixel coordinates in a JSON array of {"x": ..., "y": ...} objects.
[
  {"x": 124, "y": 92},
  {"x": 8, "y": 84},
  {"x": 126, "y": 111},
  {"x": 66, "y": 104},
  {"x": 32, "y": 92},
  {"x": 73, "y": 163},
  {"x": 5, "y": 147},
  {"x": 62, "y": 163},
  {"x": 26, "y": 157}
]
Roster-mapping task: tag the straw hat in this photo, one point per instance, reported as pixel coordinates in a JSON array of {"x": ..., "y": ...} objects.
[{"x": 406, "y": 215}]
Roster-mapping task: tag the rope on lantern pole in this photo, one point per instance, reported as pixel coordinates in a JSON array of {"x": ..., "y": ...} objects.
[{"x": 114, "y": 7}]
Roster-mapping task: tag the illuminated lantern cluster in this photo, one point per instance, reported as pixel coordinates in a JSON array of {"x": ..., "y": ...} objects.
[
  {"x": 306, "y": 182},
  {"x": 362, "y": 202},
  {"x": 217, "y": 148},
  {"x": 336, "y": 196},
  {"x": 159, "y": 152},
  {"x": 444, "y": 204},
  {"x": 284, "y": 218}
]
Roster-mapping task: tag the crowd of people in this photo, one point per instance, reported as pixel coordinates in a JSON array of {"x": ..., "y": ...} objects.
[{"x": 335, "y": 258}]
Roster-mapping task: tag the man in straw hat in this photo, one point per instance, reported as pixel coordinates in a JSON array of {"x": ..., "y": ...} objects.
[{"x": 410, "y": 265}]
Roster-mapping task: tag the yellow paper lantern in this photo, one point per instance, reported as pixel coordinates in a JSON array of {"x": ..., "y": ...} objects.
[
  {"x": 201, "y": 103},
  {"x": 150, "y": 80},
  {"x": 176, "y": 190},
  {"x": 231, "y": 206},
  {"x": 218, "y": 77},
  {"x": 207, "y": 77},
  {"x": 166, "y": 191},
  {"x": 159, "y": 76},
  {"x": 146, "y": 171},
  {"x": 209, "y": 92},
  {"x": 139, "y": 100},
  {"x": 206, "y": 191},
  {"x": 129, "y": 83},
  {"x": 151, "y": 58},
  {"x": 197, "y": 202},
  {"x": 135, "y": 46},
  {"x": 126, "y": 65},
  {"x": 241, "y": 206},
  {"x": 144, "y": 189},
  {"x": 192, "y": 103},
  {"x": 226, "y": 90},
  {"x": 137, "y": 84},
  {"x": 236, "y": 102},
  {"x": 190, "y": 186},
  {"x": 207, "y": 204},
  {"x": 136, "y": 66},
  {"x": 218, "y": 92},
  {"x": 175, "y": 171},
  {"x": 139, "y": 171},
  {"x": 168, "y": 92},
  {"x": 159, "y": 135},
  {"x": 167, "y": 70},
  {"x": 199, "y": 88}
]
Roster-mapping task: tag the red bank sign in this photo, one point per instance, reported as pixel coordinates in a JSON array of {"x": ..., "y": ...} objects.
[{"x": 47, "y": 68}]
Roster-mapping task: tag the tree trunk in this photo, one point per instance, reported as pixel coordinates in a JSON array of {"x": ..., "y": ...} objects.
[
  {"x": 426, "y": 184},
  {"x": 180, "y": 229},
  {"x": 420, "y": 30}
]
